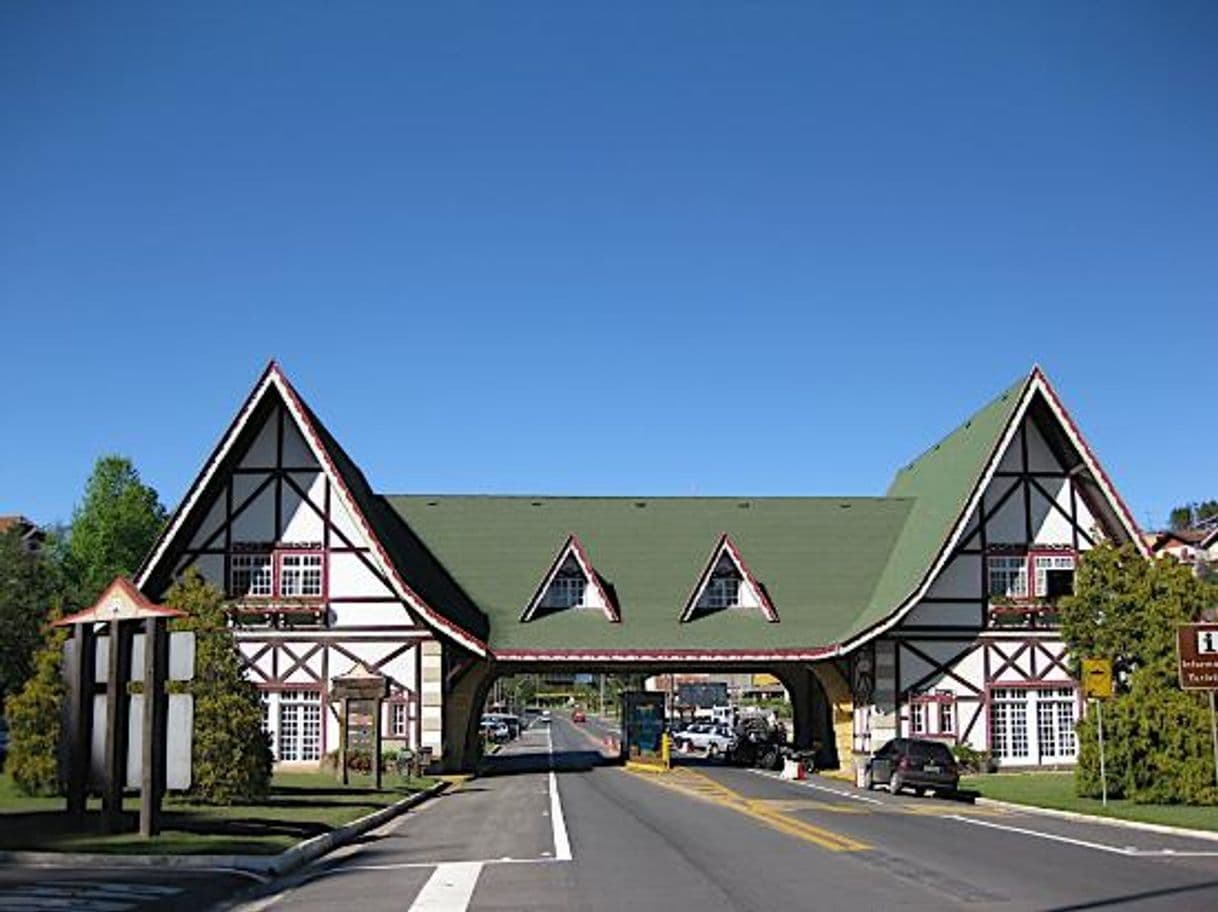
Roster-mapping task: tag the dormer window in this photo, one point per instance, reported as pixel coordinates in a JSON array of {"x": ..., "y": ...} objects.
[
  {"x": 568, "y": 587},
  {"x": 570, "y": 583},
  {"x": 723, "y": 590},
  {"x": 726, "y": 583}
]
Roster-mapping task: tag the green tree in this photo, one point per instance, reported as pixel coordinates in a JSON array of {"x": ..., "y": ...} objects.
[
  {"x": 29, "y": 585},
  {"x": 232, "y": 754},
  {"x": 1126, "y": 608},
  {"x": 1188, "y": 515},
  {"x": 113, "y": 528},
  {"x": 33, "y": 716}
]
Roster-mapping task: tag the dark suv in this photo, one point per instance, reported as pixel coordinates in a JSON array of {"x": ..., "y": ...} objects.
[{"x": 924, "y": 766}]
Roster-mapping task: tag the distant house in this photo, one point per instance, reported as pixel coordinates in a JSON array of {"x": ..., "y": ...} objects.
[
  {"x": 1185, "y": 545},
  {"x": 31, "y": 536}
]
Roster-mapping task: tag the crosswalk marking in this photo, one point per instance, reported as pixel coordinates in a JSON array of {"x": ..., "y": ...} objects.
[{"x": 449, "y": 889}]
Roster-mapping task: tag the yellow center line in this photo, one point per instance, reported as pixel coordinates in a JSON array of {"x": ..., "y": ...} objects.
[{"x": 698, "y": 785}]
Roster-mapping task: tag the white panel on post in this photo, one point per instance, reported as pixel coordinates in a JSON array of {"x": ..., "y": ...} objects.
[
  {"x": 180, "y": 727},
  {"x": 182, "y": 656}
]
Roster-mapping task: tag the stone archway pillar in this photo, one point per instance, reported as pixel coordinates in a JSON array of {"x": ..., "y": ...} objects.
[
  {"x": 812, "y": 714},
  {"x": 464, "y": 697}
]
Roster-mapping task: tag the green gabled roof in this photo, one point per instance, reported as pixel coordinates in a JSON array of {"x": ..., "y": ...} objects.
[
  {"x": 940, "y": 483},
  {"x": 423, "y": 574},
  {"x": 816, "y": 556},
  {"x": 832, "y": 566}
]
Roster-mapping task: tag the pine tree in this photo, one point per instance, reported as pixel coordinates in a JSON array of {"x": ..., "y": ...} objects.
[
  {"x": 34, "y": 717},
  {"x": 113, "y": 528},
  {"x": 232, "y": 754}
]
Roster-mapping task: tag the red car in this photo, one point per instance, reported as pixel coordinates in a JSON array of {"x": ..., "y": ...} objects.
[{"x": 578, "y": 716}]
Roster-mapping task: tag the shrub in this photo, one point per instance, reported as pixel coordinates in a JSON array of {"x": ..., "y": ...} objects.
[
  {"x": 35, "y": 715},
  {"x": 232, "y": 754}
]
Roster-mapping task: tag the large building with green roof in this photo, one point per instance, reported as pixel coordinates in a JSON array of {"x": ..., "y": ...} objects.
[{"x": 927, "y": 611}]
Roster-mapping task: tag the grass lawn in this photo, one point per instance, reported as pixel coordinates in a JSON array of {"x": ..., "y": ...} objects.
[
  {"x": 300, "y": 806},
  {"x": 1056, "y": 790}
]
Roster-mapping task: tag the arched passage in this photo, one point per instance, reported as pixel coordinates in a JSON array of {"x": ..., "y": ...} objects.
[{"x": 820, "y": 702}]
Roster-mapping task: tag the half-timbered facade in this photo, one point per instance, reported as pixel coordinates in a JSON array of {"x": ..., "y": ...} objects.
[
  {"x": 928, "y": 611},
  {"x": 977, "y": 658}
]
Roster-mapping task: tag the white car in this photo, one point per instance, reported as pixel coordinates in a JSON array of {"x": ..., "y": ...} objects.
[{"x": 714, "y": 739}]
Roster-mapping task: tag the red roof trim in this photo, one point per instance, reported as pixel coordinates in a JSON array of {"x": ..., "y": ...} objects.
[
  {"x": 660, "y": 655},
  {"x": 1109, "y": 487},
  {"x": 459, "y": 633},
  {"x": 128, "y": 588}
]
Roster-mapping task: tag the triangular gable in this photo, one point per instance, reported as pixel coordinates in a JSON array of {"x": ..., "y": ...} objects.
[
  {"x": 727, "y": 565},
  {"x": 120, "y": 601},
  {"x": 334, "y": 464},
  {"x": 1035, "y": 387},
  {"x": 553, "y": 595}
]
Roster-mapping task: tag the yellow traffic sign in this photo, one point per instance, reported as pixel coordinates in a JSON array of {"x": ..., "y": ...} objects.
[{"x": 1097, "y": 679}]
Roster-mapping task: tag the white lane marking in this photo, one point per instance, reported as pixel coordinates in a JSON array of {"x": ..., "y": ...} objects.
[
  {"x": 562, "y": 842},
  {"x": 449, "y": 889},
  {"x": 820, "y": 788},
  {"x": 1128, "y": 851}
]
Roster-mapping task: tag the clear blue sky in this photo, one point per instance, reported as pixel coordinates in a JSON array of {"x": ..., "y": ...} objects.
[{"x": 600, "y": 248}]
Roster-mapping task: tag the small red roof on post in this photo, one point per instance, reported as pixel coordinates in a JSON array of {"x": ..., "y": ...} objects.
[{"x": 120, "y": 602}]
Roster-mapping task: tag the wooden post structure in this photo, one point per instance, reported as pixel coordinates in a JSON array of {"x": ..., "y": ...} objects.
[
  {"x": 118, "y": 708},
  {"x": 81, "y": 680},
  {"x": 156, "y": 711},
  {"x": 121, "y": 607}
]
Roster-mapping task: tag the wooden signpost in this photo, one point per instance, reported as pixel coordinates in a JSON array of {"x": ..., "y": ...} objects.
[
  {"x": 1097, "y": 686},
  {"x": 122, "y": 609},
  {"x": 1197, "y": 657},
  {"x": 361, "y": 692}
]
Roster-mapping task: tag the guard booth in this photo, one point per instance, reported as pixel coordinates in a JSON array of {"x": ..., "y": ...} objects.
[{"x": 644, "y": 739}]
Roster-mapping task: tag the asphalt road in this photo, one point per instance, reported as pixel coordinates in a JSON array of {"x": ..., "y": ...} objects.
[{"x": 591, "y": 837}]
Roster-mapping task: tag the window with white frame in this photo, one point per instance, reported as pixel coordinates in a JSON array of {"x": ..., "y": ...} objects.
[
  {"x": 251, "y": 575},
  {"x": 947, "y": 717},
  {"x": 1033, "y": 724},
  {"x": 300, "y": 575},
  {"x": 1054, "y": 575},
  {"x": 1008, "y": 576},
  {"x": 723, "y": 588},
  {"x": 917, "y": 718},
  {"x": 399, "y": 720},
  {"x": 299, "y": 725},
  {"x": 276, "y": 574},
  {"x": 568, "y": 587}
]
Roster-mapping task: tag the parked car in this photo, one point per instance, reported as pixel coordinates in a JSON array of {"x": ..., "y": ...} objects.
[
  {"x": 714, "y": 739},
  {"x": 579, "y": 716},
  {"x": 495, "y": 730},
  {"x": 924, "y": 766}
]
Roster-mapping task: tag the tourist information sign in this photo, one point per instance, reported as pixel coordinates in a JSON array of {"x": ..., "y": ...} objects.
[{"x": 1197, "y": 652}]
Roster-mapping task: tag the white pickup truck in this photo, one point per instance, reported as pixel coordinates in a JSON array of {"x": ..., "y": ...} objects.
[{"x": 714, "y": 739}]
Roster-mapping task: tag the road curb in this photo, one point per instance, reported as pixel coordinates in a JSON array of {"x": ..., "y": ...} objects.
[
  {"x": 260, "y": 867},
  {"x": 1161, "y": 828}
]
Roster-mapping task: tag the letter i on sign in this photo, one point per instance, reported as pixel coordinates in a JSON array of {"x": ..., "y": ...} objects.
[{"x": 1207, "y": 642}]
